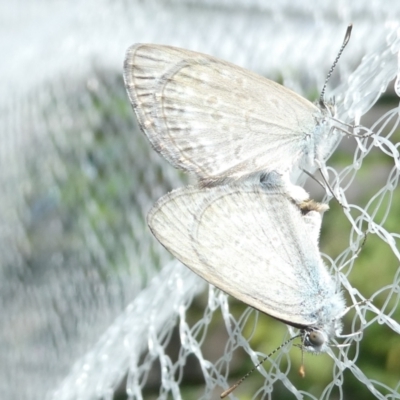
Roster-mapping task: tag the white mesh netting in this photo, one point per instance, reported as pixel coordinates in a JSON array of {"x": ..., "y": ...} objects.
[{"x": 91, "y": 306}]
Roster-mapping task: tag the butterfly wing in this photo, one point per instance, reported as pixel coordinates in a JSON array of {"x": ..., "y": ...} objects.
[
  {"x": 252, "y": 243},
  {"x": 213, "y": 118}
]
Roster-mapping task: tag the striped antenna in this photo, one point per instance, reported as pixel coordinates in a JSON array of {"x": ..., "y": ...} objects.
[{"x": 233, "y": 387}]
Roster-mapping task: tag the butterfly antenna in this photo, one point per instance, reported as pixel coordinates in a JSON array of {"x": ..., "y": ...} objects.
[
  {"x": 233, "y": 387},
  {"x": 345, "y": 41}
]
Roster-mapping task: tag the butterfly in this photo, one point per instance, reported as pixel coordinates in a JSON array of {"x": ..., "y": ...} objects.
[
  {"x": 258, "y": 243},
  {"x": 222, "y": 122}
]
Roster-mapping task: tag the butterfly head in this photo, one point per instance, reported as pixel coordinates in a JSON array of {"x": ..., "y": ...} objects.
[
  {"x": 328, "y": 108},
  {"x": 315, "y": 340}
]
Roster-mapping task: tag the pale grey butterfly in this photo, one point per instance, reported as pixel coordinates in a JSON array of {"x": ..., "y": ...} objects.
[
  {"x": 258, "y": 243},
  {"x": 220, "y": 121}
]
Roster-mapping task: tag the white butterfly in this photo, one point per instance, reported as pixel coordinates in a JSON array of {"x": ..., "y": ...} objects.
[
  {"x": 259, "y": 244},
  {"x": 220, "y": 121}
]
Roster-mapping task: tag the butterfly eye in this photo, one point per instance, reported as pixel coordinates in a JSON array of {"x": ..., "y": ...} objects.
[{"x": 316, "y": 338}]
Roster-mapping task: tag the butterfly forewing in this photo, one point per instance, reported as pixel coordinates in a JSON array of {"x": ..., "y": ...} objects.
[
  {"x": 250, "y": 242},
  {"x": 213, "y": 118}
]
